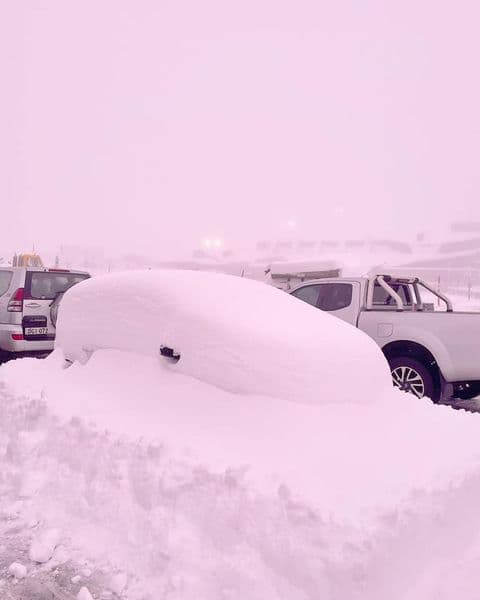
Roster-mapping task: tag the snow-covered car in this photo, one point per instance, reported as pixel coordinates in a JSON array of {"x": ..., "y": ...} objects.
[{"x": 234, "y": 333}]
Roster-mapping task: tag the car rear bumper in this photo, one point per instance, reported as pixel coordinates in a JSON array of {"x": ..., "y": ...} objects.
[{"x": 9, "y": 344}]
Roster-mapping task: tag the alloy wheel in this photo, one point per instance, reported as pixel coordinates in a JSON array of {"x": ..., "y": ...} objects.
[{"x": 409, "y": 380}]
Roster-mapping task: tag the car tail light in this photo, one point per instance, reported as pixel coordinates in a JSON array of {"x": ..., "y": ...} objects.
[
  {"x": 18, "y": 337},
  {"x": 16, "y": 301}
]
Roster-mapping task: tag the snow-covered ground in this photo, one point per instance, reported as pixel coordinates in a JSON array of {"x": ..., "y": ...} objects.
[
  {"x": 216, "y": 495},
  {"x": 127, "y": 476}
]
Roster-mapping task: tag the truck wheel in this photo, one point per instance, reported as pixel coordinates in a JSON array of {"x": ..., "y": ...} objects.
[{"x": 413, "y": 377}]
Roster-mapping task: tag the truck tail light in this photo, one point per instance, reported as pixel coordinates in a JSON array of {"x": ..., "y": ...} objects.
[{"x": 16, "y": 301}]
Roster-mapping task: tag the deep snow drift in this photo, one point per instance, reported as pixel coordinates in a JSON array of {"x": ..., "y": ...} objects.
[{"x": 194, "y": 492}]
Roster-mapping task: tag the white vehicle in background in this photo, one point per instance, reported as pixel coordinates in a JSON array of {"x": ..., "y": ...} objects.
[
  {"x": 430, "y": 353},
  {"x": 286, "y": 275},
  {"x": 29, "y": 300}
]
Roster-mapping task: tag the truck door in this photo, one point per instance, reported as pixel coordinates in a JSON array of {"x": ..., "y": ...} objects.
[{"x": 341, "y": 299}]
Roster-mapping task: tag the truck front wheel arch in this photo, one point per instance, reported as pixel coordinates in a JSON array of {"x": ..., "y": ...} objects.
[{"x": 415, "y": 355}]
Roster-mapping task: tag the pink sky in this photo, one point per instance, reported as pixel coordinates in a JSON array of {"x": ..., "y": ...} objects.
[{"x": 147, "y": 125}]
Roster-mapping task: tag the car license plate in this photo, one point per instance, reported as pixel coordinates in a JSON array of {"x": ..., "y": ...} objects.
[{"x": 36, "y": 330}]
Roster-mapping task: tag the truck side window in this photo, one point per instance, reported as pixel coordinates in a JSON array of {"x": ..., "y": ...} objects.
[
  {"x": 308, "y": 293},
  {"x": 335, "y": 296}
]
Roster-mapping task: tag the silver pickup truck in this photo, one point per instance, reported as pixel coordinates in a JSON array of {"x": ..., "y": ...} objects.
[{"x": 434, "y": 353}]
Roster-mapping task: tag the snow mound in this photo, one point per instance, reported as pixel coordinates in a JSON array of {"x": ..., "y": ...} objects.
[
  {"x": 84, "y": 594},
  {"x": 176, "y": 489},
  {"x": 42, "y": 548},
  {"x": 234, "y": 333},
  {"x": 17, "y": 570}
]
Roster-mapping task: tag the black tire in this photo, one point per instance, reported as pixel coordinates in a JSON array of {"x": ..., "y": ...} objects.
[{"x": 413, "y": 377}]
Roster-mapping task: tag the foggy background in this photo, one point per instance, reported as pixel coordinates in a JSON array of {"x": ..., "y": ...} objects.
[{"x": 146, "y": 126}]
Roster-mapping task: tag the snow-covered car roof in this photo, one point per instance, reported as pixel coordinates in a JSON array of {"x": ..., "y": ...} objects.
[{"x": 237, "y": 334}]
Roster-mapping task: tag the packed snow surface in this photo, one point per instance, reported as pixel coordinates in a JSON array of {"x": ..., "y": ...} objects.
[{"x": 234, "y": 333}]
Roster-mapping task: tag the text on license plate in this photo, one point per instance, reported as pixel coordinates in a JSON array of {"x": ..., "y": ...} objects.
[{"x": 36, "y": 330}]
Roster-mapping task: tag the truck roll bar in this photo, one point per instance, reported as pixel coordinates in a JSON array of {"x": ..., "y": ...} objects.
[
  {"x": 437, "y": 293},
  {"x": 384, "y": 282},
  {"x": 391, "y": 292}
]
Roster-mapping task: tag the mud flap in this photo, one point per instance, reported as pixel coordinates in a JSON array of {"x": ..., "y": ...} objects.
[{"x": 446, "y": 392}]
